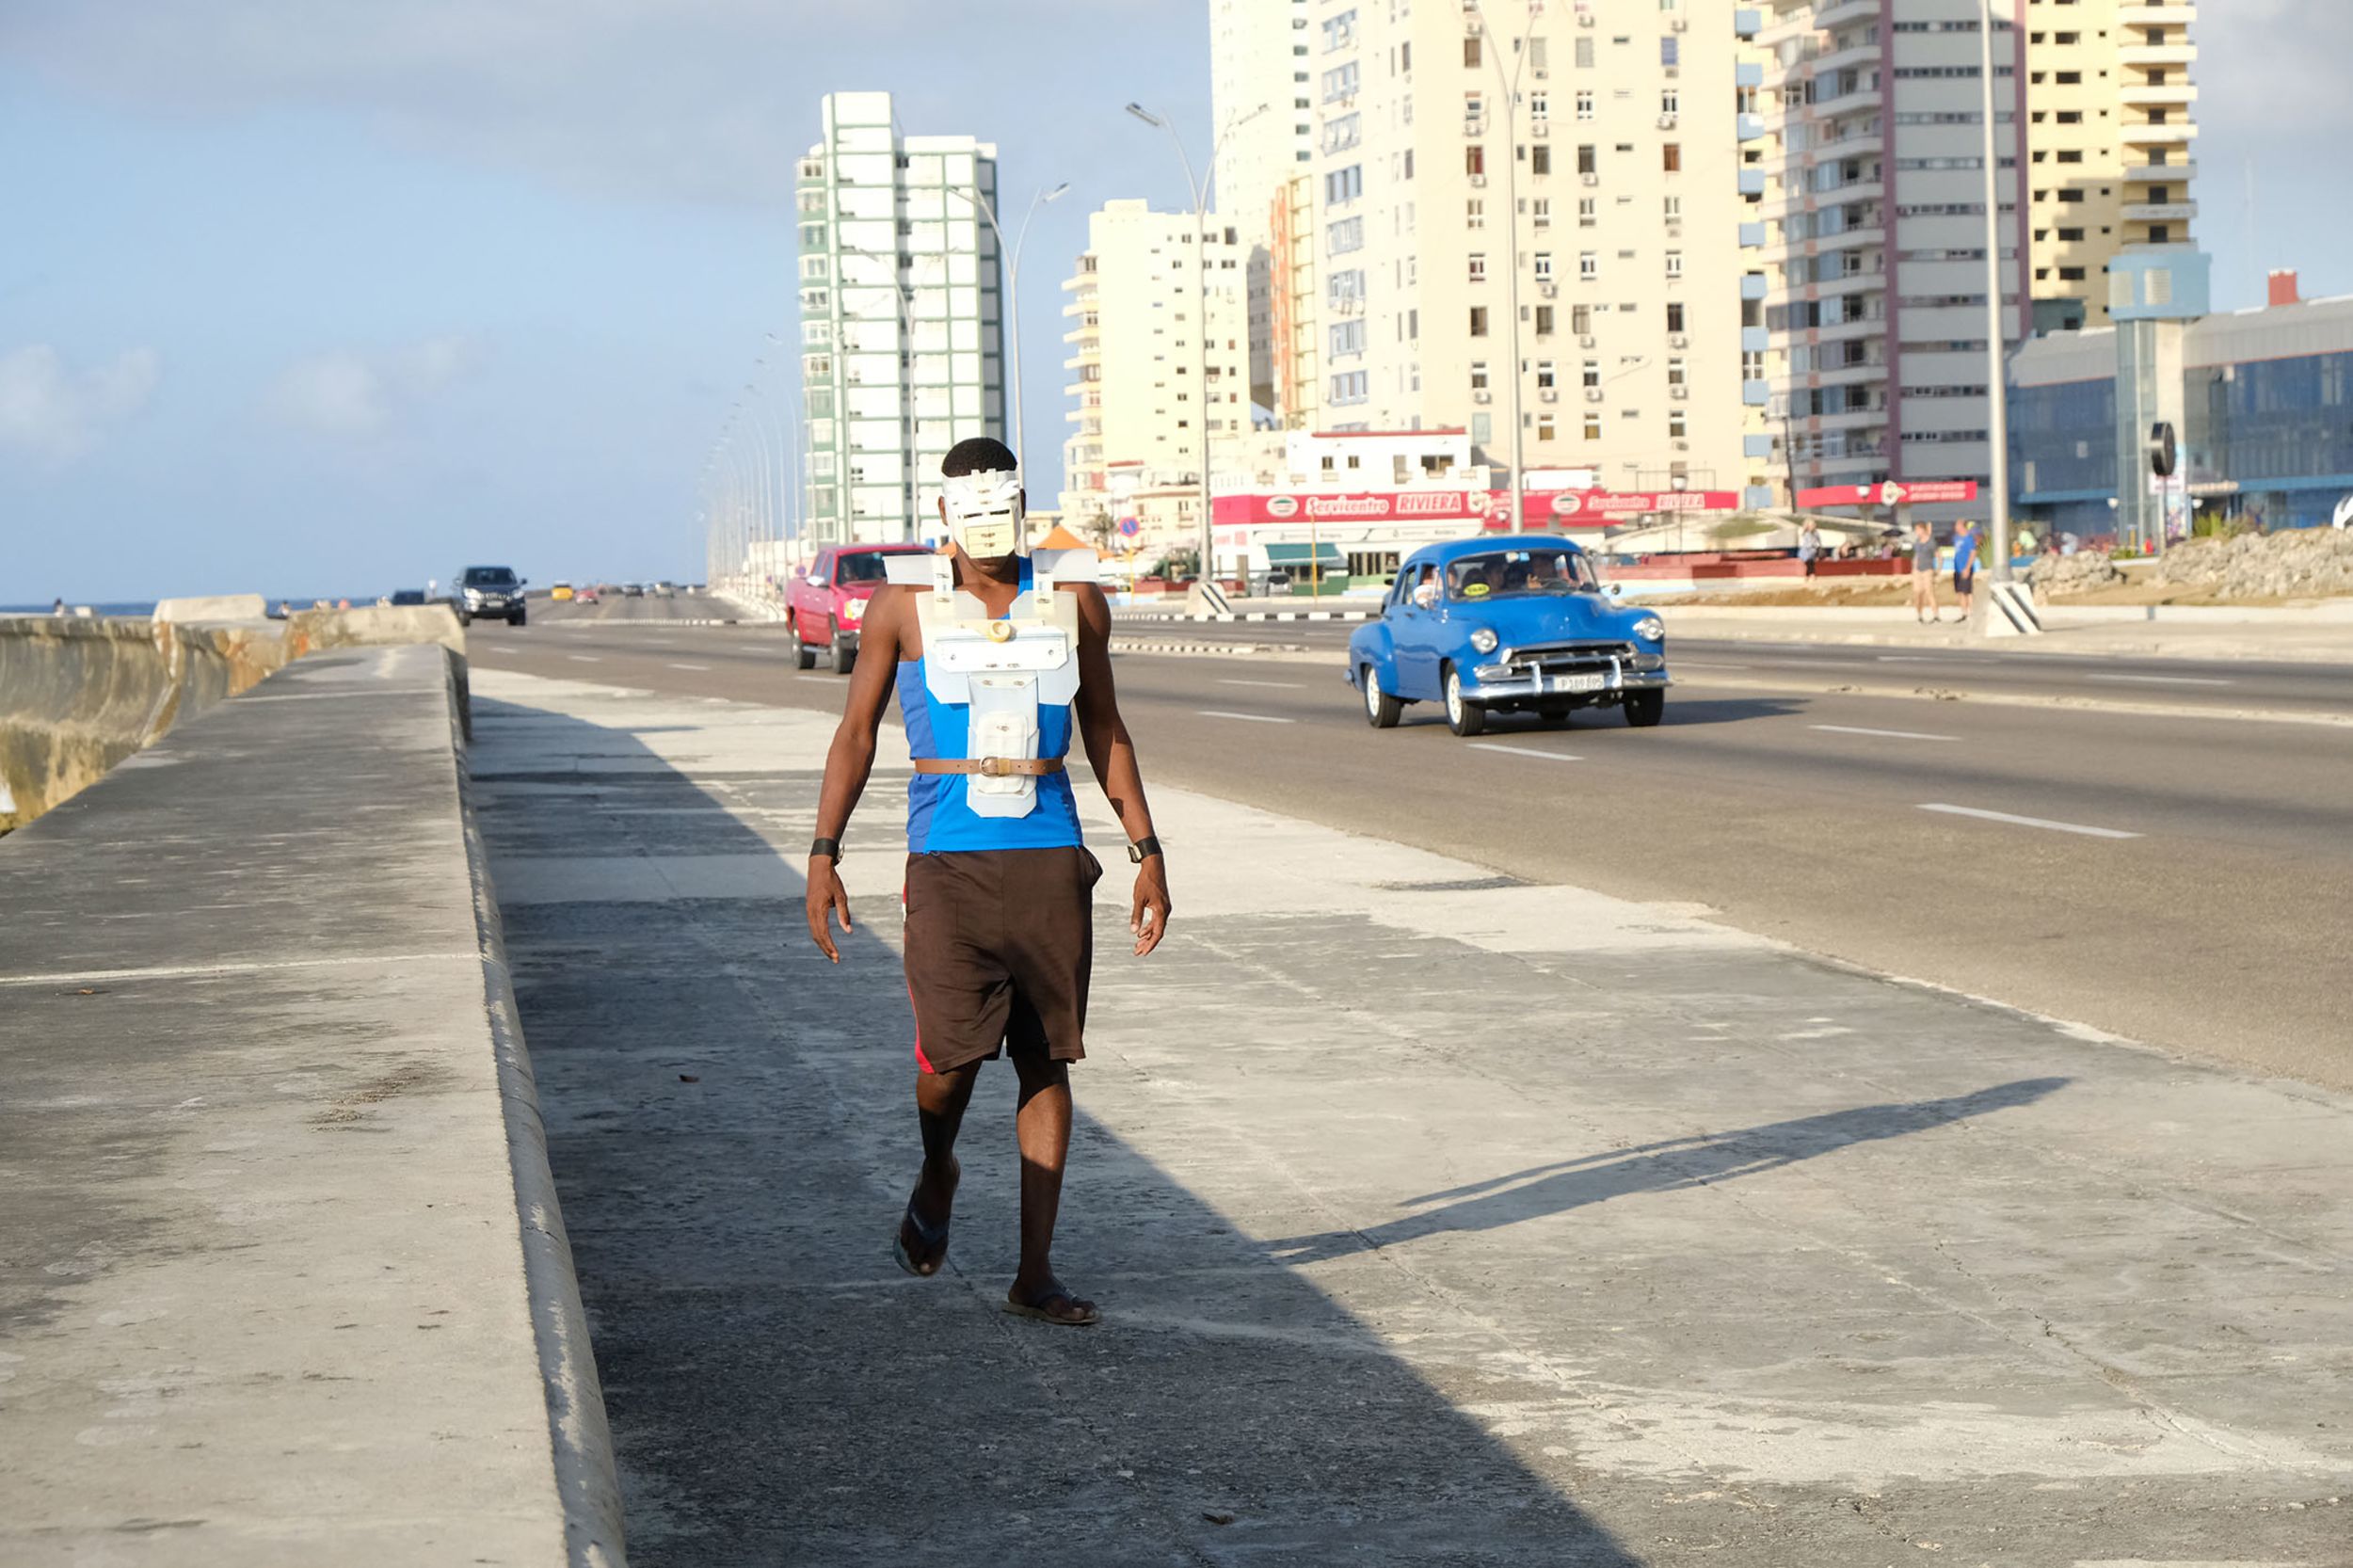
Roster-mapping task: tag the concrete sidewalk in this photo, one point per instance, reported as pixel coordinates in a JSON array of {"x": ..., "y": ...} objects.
[
  {"x": 1437, "y": 1218},
  {"x": 2321, "y": 636}
]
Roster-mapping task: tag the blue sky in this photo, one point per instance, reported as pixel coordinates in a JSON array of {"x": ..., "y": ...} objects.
[{"x": 333, "y": 296}]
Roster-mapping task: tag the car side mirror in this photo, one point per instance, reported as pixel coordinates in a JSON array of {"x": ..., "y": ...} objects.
[{"x": 1613, "y": 589}]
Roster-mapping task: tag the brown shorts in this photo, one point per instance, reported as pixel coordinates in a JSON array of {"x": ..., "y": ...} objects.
[{"x": 999, "y": 944}]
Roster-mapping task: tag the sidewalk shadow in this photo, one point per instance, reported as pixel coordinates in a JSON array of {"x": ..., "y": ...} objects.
[
  {"x": 1670, "y": 1165},
  {"x": 732, "y": 1135}
]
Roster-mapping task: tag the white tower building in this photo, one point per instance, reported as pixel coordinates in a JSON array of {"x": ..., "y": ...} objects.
[{"x": 901, "y": 351}]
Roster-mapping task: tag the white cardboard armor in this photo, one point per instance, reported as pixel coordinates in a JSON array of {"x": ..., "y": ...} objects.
[
  {"x": 998, "y": 670},
  {"x": 985, "y": 515}
]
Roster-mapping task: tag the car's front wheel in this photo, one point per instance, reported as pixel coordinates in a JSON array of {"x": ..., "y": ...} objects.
[
  {"x": 1463, "y": 716},
  {"x": 1381, "y": 709},
  {"x": 1644, "y": 708},
  {"x": 515, "y": 619}
]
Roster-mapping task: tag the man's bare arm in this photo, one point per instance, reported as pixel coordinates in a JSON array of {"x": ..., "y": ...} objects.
[
  {"x": 851, "y": 758},
  {"x": 1113, "y": 756}
]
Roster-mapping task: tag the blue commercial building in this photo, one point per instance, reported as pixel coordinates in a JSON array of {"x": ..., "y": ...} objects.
[{"x": 2260, "y": 401}]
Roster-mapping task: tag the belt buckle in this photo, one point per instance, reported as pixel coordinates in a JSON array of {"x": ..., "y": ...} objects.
[{"x": 995, "y": 767}]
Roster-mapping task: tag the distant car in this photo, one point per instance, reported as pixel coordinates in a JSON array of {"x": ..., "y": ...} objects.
[
  {"x": 663, "y": 590},
  {"x": 490, "y": 593},
  {"x": 407, "y": 596},
  {"x": 561, "y": 592},
  {"x": 632, "y": 590},
  {"x": 1507, "y": 623},
  {"x": 584, "y": 595},
  {"x": 825, "y": 603}
]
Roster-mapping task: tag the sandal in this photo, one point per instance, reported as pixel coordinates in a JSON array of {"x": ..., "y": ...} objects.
[
  {"x": 1080, "y": 1314},
  {"x": 932, "y": 1238}
]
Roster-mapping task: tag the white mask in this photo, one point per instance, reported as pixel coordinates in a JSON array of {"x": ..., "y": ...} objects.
[{"x": 985, "y": 515}]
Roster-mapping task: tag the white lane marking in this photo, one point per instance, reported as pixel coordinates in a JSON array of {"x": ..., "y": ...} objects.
[
  {"x": 2032, "y": 821},
  {"x": 1890, "y": 734},
  {"x": 585, "y": 659},
  {"x": 1905, "y": 659},
  {"x": 2161, "y": 680},
  {"x": 1707, "y": 665},
  {"x": 1252, "y": 719},
  {"x": 679, "y": 666},
  {"x": 1280, "y": 685},
  {"x": 1523, "y": 751}
]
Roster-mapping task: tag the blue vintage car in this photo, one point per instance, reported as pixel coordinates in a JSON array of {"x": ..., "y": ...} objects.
[{"x": 1507, "y": 623}]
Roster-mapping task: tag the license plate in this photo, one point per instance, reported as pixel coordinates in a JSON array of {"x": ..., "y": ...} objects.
[{"x": 1576, "y": 682}]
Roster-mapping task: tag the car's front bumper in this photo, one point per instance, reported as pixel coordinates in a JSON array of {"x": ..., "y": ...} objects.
[{"x": 1493, "y": 685}]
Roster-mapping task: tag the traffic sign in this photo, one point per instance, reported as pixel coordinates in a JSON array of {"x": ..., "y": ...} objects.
[{"x": 1128, "y": 528}]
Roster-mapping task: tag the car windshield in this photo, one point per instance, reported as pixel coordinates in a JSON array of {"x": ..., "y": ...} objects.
[
  {"x": 1504, "y": 573},
  {"x": 864, "y": 567},
  {"x": 490, "y": 577}
]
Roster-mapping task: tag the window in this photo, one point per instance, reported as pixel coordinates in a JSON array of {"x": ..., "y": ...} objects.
[
  {"x": 1585, "y": 54},
  {"x": 1544, "y": 321},
  {"x": 1471, "y": 57},
  {"x": 1352, "y": 386},
  {"x": 1587, "y": 159},
  {"x": 1678, "y": 424},
  {"x": 1342, "y": 131},
  {"x": 1545, "y": 429},
  {"x": 1673, "y": 208},
  {"x": 1592, "y": 376},
  {"x": 1344, "y": 184},
  {"x": 1670, "y": 51},
  {"x": 1671, "y": 101},
  {"x": 1475, "y": 212},
  {"x": 1347, "y": 336},
  {"x": 1674, "y": 316},
  {"x": 1592, "y": 418},
  {"x": 1478, "y": 267},
  {"x": 1344, "y": 236},
  {"x": 1581, "y": 320},
  {"x": 1674, "y": 264},
  {"x": 1540, "y": 160},
  {"x": 1540, "y": 107},
  {"x": 1584, "y": 103},
  {"x": 1547, "y": 378},
  {"x": 1479, "y": 375},
  {"x": 1339, "y": 82},
  {"x": 1345, "y": 287},
  {"x": 1540, "y": 211},
  {"x": 1587, "y": 211},
  {"x": 1671, "y": 157},
  {"x": 1339, "y": 32},
  {"x": 1674, "y": 374},
  {"x": 1543, "y": 266},
  {"x": 1587, "y": 265},
  {"x": 1475, "y": 160},
  {"x": 1479, "y": 321}
]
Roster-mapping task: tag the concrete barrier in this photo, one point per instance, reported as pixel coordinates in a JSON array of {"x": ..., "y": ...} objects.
[
  {"x": 78, "y": 694},
  {"x": 285, "y": 1279},
  {"x": 211, "y": 607}
]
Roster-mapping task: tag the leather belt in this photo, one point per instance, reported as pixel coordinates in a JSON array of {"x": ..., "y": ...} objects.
[{"x": 991, "y": 767}]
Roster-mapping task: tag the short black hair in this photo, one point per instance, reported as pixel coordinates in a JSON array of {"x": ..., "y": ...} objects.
[{"x": 977, "y": 454}]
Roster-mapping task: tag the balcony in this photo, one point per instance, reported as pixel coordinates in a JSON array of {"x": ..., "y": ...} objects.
[
  {"x": 1752, "y": 236},
  {"x": 2154, "y": 174},
  {"x": 2174, "y": 133},
  {"x": 1748, "y": 74},
  {"x": 1849, "y": 102},
  {"x": 1751, "y": 182},
  {"x": 2159, "y": 212},
  {"x": 1746, "y": 20},
  {"x": 1850, "y": 375},
  {"x": 2161, "y": 94},
  {"x": 1849, "y": 58},
  {"x": 1748, "y": 127},
  {"x": 2155, "y": 54},
  {"x": 1834, "y": 13},
  {"x": 1756, "y": 394}
]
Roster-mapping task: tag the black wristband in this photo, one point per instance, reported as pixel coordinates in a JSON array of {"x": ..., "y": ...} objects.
[
  {"x": 1143, "y": 850},
  {"x": 829, "y": 848}
]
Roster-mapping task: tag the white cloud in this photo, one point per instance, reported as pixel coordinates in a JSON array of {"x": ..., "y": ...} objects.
[
  {"x": 57, "y": 413},
  {"x": 347, "y": 393}
]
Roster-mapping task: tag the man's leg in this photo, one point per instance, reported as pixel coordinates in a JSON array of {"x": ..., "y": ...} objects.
[
  {"x": 1042, "y": 1126},
  {"x": 939, "y": 1102}
]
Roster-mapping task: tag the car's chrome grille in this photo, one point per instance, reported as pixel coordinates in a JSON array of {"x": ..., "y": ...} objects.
[{"x": 1561, "y": 658}]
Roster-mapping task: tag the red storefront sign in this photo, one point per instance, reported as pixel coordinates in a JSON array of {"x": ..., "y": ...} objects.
[
  {"x": 1923, "y": 491},
  {"x": 1472, "y": 509}
]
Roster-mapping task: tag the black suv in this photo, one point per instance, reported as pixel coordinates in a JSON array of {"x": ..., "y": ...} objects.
[{"x": 490, "y": 593}]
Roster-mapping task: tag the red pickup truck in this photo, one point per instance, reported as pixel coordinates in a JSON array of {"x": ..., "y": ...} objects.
[{"x": 825, "y": 603}]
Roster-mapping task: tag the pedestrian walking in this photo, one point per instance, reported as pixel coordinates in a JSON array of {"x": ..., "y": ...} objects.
[
  {"x": 1809, "y": 547},
  {"x": 1965, "y": 566},
  {"x": 1924, "y": 607},
  {"x": 999, "y": 886}
]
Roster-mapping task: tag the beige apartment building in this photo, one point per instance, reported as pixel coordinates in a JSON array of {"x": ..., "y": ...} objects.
[
  {"x": 2111, "y": 117},
  {"x": 1263, "y": 131},
  {"x": 1589, "y": 152},
  {"x": 1144, "y": 388}
]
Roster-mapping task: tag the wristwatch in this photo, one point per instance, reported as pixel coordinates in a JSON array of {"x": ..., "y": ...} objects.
[
  {"x": 1143, "y": 850},
  {"x": 829, "y": 848}
]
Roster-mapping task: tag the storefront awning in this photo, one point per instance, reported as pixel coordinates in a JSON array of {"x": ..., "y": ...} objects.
[{"x": 1302, "y": 555}]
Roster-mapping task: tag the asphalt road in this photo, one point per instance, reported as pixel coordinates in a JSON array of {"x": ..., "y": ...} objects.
[{"x": 2186, "y": 880}]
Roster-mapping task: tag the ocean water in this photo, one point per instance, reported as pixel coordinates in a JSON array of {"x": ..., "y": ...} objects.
[{"x": 128, "y": 607}]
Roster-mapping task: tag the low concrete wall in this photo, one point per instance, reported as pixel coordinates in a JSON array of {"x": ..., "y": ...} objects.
[
  {"x": 77, "y": 695},
  {"x": 211, "y": 607},
  {"x": 286, "y": 1280}
]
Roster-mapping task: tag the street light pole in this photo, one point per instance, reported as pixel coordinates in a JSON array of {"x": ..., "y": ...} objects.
[
  {"x": 1997, "y": 318},
  {"x": 1201, "y": 269},
  {"x": 1511, "y": 81},
  {"x": 1013, "y": 294}
]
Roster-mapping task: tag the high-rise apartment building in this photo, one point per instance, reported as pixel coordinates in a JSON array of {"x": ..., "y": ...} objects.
[
  {"x": 2111, "y": 119},
  {"x": 1875, "y": 285},
  {"x": 901, "y": 352},
  {"x": 1145, "y": 383},
  {"x": 1263, "y": 130},
  {"x": 1587, "y": 152}
]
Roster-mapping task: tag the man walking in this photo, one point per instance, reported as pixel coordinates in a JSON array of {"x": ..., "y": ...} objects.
[
  {"x": 994, "y": 664},
  {"x": 1924, "y": 575},
  {"x": 1965, "y": 568},
  {"x": 1809, "y": 547}
]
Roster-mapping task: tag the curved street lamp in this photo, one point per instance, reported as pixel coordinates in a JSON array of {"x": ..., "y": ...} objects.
[{"x": 1013, "y": 293}]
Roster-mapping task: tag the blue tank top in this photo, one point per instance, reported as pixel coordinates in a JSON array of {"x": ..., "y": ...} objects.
[{"x": 938, "y": 820}]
